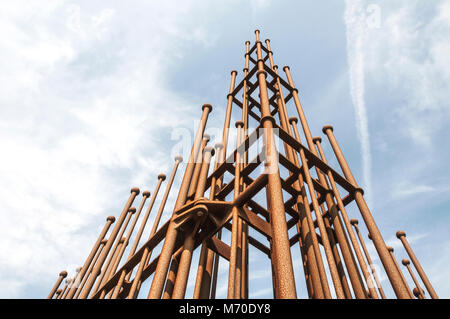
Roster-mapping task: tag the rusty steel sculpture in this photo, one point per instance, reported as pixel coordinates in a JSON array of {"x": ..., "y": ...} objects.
[{"x": 301, "y": 189}]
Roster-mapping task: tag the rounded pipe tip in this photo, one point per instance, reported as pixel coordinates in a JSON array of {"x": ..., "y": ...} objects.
[
  {"x": 112, "y": 219},
  {"x": 326, "y": 128},
  {"x": 179, "y": 158},
  {"x": 293, "y": 119},
  {"x": 162, "y": 177},
  {"x": 405, "y": 262},
  {"x": 206, "y": 136},
  {"x": 354, "y": 221},
  {"x": 247, "y": 42},
  {"x": 146, "y": 194},
  {"x": 317, "y": 139},
  {"x": 239, "y": 124},
  {"x": 63, "y": 274},
  {"x": 286, "y": 68},
  {"x": 122, "y": 240},
  {"x": 390, "y": 249},
  {"x": 58, "y": 291},
  {"x": 400, "y": 234},
  {"x": 104, "y": 241},
  {"x": 208, "y": 106},
  {"x": 416, "y": 292},
  {"x": 135, "y": 190},
  {"x": 234, "y": 72},
  {"x": 218, "y": 146},
  {"x": 267, "y": 40},
  {"x": 209, "y": 149},
  {"x": 257, "y": 31},
  {"x": 132, "y": 209}
]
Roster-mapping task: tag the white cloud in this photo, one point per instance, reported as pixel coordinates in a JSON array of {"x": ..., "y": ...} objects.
[
  {"x": 409, "y": 55},
  {"x": 406, "y": 189},
  {"x": 81, "y": 101}
]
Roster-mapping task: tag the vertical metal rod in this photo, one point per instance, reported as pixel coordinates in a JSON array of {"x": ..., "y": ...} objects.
[
  {"x": 62, "y": 275},
  {"x": 58, "y": 293},
  {"x": 392, "y": 271},
  {"x": 354, "y": 241},
  {"x": 136, "y": 285},
  {"x": 406, "y": 263},
  {"x": 91, "y": 266},
  {"x": 104, "y": 276},
  {"x": 124, "y": 275},
  {"x": 200, "y": 270},
  {"x": 109, "y": 221},
  {"x": 391, "y": 252},
  {"x": 234, "y": 264},
  {"x": 354, "y": 222},
  {"x": 281, "y": 254},
  {"x": 179, "y": 288},
  {"x": 337, "y": 257},
  {"x": 244, "y": 235},
  {"x": 157, "y": 286},
  {"x": 309, "y": 259},
  {"x": 114, "y": 260},
  {"x": 63, "y": 292},
  {"x": 96, "y": 271},
  {"x": 207, "y": 256},
  {"x": 215, "y": 266},
  {"x": 161, "y": 178},
  {"x": 145, "y": 195},
  {"x": 322, "y": 291},
  {"x": 355, "y": 277},
  {"x": 170, "y": 282},
  {"x": 323, "y": 233},
  {"x": 74, "y": 283},
  {"x": 402, "y": 236},
  {"x": 418, "y": 294}
]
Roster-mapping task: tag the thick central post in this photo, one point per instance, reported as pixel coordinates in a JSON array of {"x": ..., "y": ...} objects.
[{"x": 281, "y": 254}]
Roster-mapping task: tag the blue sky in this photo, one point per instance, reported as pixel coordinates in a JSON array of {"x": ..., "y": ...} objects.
[{"x": 91, "y": 93}]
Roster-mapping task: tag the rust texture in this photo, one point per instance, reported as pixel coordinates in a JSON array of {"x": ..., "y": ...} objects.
[{"x": 272, "y": 178}]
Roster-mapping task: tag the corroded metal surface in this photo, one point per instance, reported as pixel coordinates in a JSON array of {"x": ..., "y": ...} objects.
[{"x": 302, "y": 194}]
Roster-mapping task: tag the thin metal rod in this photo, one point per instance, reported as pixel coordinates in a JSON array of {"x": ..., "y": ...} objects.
[
  {"x": 391, "y": 252},
  {"x": 92, "y": 265},
  {"x": 394, "y": 275},
  {"x": 406, "y": 263},
  {"x": 159, "y": 277},
  {"x": 281, "y": 254},
  {"x": 347, "y": 223},
  {"x": 402, "y": 236},
  {"x": 354, "y": 222},
  {"x": 97, "y": 269},
  {"x": 109, "y": 221},
  {"x": 62, "y": 275},
  {"x": 136, "y": 285}
]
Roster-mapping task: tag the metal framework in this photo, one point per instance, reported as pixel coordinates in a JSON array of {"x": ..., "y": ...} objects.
[{"x": 303, "y": 194}]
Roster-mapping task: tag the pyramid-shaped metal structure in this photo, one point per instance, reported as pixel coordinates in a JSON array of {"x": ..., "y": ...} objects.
[{"x": 288, "y": 184}]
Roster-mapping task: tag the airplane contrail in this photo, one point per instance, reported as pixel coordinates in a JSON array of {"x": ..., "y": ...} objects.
[{"x": 355, "y": 22}]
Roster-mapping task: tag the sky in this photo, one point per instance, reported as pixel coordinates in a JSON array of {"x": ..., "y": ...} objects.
[{"x": 94, "y": 94}]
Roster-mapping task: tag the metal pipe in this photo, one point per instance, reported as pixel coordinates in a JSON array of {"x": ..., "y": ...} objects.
[
  {"x": 354, "y": 222},
  {"x": 406, "y": 263},
  {"x": 402, "y": 236},
  {"x": 62, "y": 275},
  {"x": 392, "y": 271},
  {"x": 159, "y": 277}
]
